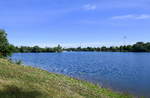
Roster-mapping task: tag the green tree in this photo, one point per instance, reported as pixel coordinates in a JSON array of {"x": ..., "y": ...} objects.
[
  {"x": 36, "y": 49},
  {"x": 5, "y": 48},
  {"x": 139, "y": 47},
  {"x": 58, "y": 49},
  {"x": 104, "y": 48}
]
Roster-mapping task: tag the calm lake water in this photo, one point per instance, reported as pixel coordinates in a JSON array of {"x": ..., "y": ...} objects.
[{"x": 125, "y": 72}]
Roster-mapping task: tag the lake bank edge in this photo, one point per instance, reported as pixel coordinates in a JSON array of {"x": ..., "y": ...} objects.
[{"x": 49, "y": 84}]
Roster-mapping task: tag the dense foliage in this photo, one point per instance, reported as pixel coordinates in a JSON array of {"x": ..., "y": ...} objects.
[
  {"x": 138, "y": 47},
  {"x": 35, "y": 49},
  {"x": 5, "y": 48}
]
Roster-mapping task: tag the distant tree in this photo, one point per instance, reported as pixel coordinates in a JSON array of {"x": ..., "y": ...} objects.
[
  {"x": 36, "y": 49},
  {"x": 78, "y": 49},
  {"x": 139, "y": 47},
  {"x": 104, "y": 48},
  {"x": 5, "y": 48},
  {"x": 113, "y": 49},
  {"x": 58, "y": 49},
  {"x": 147, "y": 46},
  {"x": 128, "y": 48}
]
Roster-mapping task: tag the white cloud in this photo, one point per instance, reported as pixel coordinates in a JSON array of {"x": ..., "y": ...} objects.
[
  {"x": 89, "y": 7},
  {"x": 131, "y": 16},
  {"x": 144, "y": 17}
]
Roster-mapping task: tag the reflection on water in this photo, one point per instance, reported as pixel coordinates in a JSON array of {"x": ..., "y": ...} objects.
[{"x": 126, "y": 72}]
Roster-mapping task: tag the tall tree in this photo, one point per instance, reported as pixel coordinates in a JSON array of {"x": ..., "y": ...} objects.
[{"x": 5, "y": 48}]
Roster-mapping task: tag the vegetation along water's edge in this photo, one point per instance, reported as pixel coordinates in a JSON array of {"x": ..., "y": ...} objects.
[
  {"x": 137, "y": 47},
  {"x": 17, "y": 81}
]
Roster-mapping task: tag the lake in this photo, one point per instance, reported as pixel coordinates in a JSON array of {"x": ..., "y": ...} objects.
[{"x": 125, "y": 72}]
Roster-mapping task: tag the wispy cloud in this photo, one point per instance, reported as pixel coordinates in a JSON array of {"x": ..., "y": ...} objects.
[
  {"x": 89, "y": 7},
  {"x": 132, "y": 16}
]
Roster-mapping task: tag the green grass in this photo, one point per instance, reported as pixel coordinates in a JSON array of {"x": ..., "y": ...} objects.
[{"x": 17, "y": 81}]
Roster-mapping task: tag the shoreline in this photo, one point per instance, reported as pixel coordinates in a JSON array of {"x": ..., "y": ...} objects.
[{"x": 47, "y": 82}]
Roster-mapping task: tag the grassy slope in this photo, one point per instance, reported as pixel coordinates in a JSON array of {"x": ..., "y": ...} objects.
[{"x": 26, "y": 82}]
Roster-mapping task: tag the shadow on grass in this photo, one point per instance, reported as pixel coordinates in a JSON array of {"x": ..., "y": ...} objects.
[{"x": 15, "y": 92}]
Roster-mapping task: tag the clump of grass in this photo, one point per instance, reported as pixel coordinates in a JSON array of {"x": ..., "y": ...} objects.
[
  {"x": 19, "y": 62},
  {"x": 27, "y": 82}
]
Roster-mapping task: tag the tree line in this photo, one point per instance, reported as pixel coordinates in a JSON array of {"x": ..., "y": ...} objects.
[
  {"x": 6, "y": 49},
  {"x": 138, "y": 47},
  {"x": 36, "y": 49}
]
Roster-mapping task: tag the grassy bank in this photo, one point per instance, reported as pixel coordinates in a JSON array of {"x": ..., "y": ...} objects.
[{"x": 18, "y": 81}]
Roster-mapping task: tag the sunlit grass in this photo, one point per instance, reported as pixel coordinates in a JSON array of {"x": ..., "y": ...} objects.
[{"x": 17, "y": 81}]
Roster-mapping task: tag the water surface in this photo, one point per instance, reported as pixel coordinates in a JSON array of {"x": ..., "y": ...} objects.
[{"x": 125, "y": 72}]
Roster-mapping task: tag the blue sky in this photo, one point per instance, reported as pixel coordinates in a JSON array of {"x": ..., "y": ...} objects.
[{"x": 75, "y": 22}]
